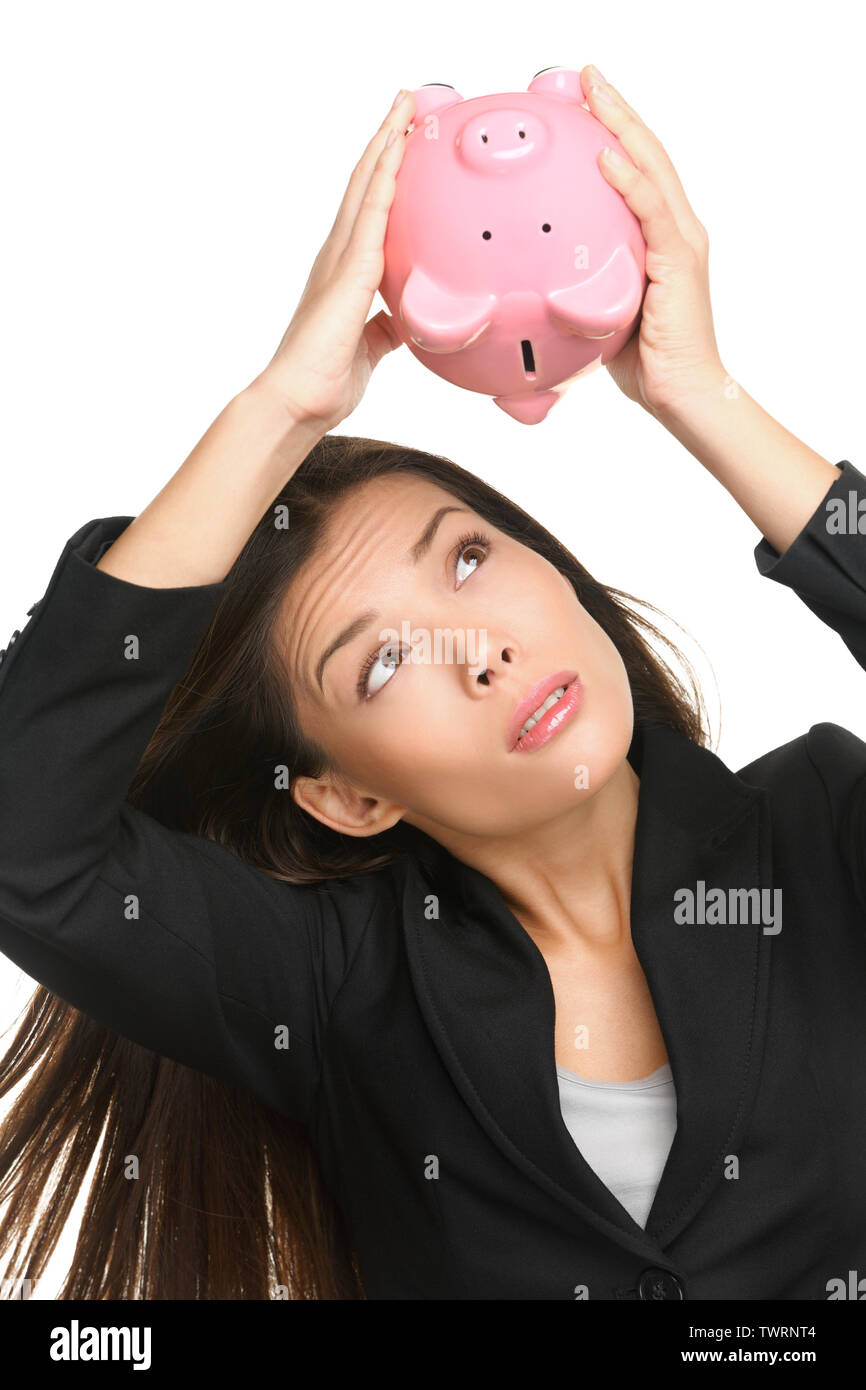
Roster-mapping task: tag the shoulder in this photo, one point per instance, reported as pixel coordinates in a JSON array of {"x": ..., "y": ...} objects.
[
  {"x": 817, "y": 790},
  {"x": 827, "y": 757},
  {"x": 353, "y": 903}
]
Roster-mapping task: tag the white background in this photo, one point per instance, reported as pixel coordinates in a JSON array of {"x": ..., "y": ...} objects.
[{"x": 169, "y": 172}]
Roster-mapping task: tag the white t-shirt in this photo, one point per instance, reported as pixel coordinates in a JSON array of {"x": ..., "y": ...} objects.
[{"x": 624, "y": 1130}]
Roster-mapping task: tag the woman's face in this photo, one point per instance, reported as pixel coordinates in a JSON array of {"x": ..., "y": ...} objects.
[{"x": 430, "y": 743}]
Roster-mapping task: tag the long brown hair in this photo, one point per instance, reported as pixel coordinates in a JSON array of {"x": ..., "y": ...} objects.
[{"x": 231, "y": 1202}]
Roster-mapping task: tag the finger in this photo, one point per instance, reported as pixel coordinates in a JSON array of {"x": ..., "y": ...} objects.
[
  {"x": 349, "y": 290},
  {"x": 660, "y": 229},
  {"x": 645, "y": 150},
  {"x": 334, "y": 245},
  {"x": 591, "y": 77},
  {"x": 398, "y": 118},
  {"x": 381, "y": 335},
  {"x": 362, "y": 260}
]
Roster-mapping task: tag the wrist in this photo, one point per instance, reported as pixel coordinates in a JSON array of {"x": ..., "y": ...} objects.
[
  {"x": 282, "y": 439},
  {"x": 776, "y": 478},
  {"x": 696, "y": 401},
  {"x": 718, "y": 422}
]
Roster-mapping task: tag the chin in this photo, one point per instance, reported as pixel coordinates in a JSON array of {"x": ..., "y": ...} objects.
[{"x": 601, "y": 744}]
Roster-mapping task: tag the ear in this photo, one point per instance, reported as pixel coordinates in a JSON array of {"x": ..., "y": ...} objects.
[
  {"x": 339, "y": 805},
  {"x": 558, "y": 82},
  {"x": 433, "y": 96}
]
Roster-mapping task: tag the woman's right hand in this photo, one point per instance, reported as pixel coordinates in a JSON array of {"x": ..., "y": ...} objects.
[{"x": 327, "y": 354}]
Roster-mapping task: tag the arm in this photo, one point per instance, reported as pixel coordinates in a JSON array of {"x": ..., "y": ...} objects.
[
  {"x": 166, "y": 938},
  {"x": 169, "y": 938},
  {"x": 672, "y": 366},
  {"x": 805, "y": 507},
  {"x": 195, "y": 528},
  {"x": 825, "y": 566},
  {"x": 776, "y": 478}
]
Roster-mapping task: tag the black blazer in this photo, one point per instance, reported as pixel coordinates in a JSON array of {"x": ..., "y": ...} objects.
[{"x": 420, "y": 1013}]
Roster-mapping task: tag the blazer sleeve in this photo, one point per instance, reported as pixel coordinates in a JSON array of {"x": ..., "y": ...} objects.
[
  {"x": 166, "y": 937},
  {"x": 826, "y": 567}
]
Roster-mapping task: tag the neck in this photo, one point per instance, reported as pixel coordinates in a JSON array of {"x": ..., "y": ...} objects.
[{"x": 571, "y": 877}]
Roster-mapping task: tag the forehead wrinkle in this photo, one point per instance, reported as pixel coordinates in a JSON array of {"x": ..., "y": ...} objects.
[{"x": 325, "y": 561}]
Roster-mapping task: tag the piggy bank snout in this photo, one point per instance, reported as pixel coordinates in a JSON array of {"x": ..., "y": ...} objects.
[{"x": 503, "y": 139}]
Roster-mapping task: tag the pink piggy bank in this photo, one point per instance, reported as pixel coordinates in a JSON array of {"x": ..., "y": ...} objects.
[{"x": 511, "y": 264}]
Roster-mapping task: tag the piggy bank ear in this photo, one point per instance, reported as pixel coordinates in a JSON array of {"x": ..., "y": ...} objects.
[
  {"x": 558, "y": 82},
  {"x": 438, "y": 320},
  {"x": 433, "y": 96},
  {"x": 606, "y": 302}
]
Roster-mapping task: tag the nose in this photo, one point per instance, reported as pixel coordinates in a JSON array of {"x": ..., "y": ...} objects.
[
  {"x": 496, "y": 142},
  {"x": 491, "y": 659}
]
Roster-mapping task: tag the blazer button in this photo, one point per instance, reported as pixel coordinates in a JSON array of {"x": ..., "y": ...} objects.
[{"x": 659, "y": 1283}]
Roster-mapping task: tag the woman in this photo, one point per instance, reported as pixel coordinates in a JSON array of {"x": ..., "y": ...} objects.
[{"x": 367, "y": 951}]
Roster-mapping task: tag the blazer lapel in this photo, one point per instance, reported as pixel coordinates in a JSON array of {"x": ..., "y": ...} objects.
[
  {"x": 485, "y": 991},
  {"x": 698, "y": 823}
]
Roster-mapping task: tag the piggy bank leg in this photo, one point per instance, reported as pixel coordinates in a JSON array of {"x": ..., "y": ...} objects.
[{"x": 529, "y": 409}]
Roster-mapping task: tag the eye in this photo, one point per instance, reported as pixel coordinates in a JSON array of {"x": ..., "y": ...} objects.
[
  {"x": 466, "y": 545},
  {"x": 379, "y": 666},
  {"x": 381, "y": 663}
]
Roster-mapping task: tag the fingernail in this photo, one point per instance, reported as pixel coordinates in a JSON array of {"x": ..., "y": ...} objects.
[
  {"x": 594, "y": 73},
  {"x": 392, "y": 136},
  {"x": 602, "y": 93},
  {"x": 613, "y": 156},
  {"x": 398, "y": 98}
]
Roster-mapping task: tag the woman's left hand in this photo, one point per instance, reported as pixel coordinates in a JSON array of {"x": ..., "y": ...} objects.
[{"x": 674, "y": 353}]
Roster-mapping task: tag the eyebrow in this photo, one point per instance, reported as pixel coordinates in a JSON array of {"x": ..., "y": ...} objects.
[{"x": 415, "y": 553}]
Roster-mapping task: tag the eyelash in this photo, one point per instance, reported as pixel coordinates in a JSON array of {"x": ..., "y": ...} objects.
[{"x": 471, "y": 538}]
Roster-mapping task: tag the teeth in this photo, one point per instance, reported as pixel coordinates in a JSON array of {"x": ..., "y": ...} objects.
[{"x": 542, "y": 709}]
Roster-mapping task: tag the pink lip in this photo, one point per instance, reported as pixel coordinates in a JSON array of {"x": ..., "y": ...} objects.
[{"x": 555, "y": 717}]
